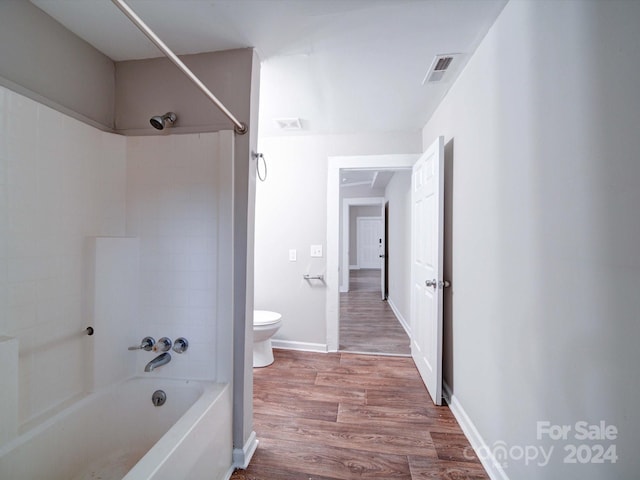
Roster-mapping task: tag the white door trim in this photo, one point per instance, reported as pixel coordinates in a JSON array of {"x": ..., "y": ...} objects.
[{"x": 363, "y": 162}]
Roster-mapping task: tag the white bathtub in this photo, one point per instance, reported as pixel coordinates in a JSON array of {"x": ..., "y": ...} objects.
[{"x": 120, "y": 434}]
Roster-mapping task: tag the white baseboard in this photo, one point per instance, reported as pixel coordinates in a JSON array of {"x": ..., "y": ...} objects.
[
  {"x": 303, "y": 346},
  {"x": 227, "y": 475},
  {"x": 489, "y": 462},
  {"x": 354, "y": 267},
  {"x": 400, "y": 318},
  {"x": 242, "y": 456}
]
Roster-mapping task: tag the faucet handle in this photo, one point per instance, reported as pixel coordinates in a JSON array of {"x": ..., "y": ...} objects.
[
  {"x": 146, "y": 344},
  {"x": 180, "y": 345},
  {"x": 163, "y": 345}
]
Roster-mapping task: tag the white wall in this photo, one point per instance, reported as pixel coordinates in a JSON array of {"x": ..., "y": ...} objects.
[
  {"x": 542, "y": 146},
  {"x": 398, "y": 194},
  {"x": 60, "y": 181},
  {"x": 291, "y": 213}
]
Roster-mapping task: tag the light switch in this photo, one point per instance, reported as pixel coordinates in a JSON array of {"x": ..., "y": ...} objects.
[
  {"x": 316, "y": 250},
  {"x": 292, "y": 255}
]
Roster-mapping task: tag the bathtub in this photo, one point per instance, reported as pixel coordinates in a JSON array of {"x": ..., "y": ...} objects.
[{"x": 119, "y": 434}]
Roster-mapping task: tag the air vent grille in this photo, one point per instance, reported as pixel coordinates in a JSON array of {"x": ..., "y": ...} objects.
[
  {"x": 443, "y": 64},
  {"x": 289, "y": 123},
  {"x": 440, "y": 67}
]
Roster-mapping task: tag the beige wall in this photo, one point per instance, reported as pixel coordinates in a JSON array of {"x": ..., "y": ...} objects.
[
  {"x": 145, "y": 88},
  {"x": 43, "y": 60},
  {"x": 542, "y": 150}
]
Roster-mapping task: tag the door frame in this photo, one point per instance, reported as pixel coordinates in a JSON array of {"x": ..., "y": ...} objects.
[
  {"x": 385, "y": 259},
  {"x": 335, "y": 164}
]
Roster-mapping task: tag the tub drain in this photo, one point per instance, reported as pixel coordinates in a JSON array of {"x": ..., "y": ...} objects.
[{"x": 158, "y": 398}]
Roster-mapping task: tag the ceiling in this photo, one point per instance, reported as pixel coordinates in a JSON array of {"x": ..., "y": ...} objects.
[
  {"x": 372, "y": 179},
  {"x": 340, "y": 66}
]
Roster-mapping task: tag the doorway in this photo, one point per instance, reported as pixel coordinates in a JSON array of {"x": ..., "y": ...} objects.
[
  {"x": 337, "y": 260},
  {"x": 368, "y": 324}
]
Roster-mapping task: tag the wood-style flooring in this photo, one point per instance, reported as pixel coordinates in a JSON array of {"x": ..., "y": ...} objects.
[
  {"x": 367, "y": 323},
  {"x": 343, "y": 416}
]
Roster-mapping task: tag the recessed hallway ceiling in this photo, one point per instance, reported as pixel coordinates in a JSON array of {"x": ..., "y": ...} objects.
[{"x": 341, "y": 66}]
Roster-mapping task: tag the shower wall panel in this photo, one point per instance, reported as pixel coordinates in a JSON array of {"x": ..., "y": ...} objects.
[
  {"x": 60, "y": 182},
  {"x": 173, "y": 207}
]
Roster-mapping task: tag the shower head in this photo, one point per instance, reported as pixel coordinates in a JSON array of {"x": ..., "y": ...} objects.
[{"x": 166, "y": 120}]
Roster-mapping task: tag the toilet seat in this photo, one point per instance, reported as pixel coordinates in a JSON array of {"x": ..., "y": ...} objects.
[{"x": 265, "y": 317}]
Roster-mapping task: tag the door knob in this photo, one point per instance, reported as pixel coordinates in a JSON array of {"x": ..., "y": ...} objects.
[{"x": 433, "y": 283}]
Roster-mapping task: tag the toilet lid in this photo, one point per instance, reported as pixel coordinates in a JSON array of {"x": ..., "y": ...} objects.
[{"x": 265, "y": 317}]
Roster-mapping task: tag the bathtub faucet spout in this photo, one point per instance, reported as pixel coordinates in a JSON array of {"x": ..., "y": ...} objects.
[{"x": 160, "y": 360}]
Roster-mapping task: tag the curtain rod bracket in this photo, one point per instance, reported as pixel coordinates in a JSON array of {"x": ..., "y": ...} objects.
[{"x": 240, "y": 130}]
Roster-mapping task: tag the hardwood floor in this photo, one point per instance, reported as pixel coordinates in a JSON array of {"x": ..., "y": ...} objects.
[
  {"x": 343, "y": 416},
  {"x": 367, "y": 323}
]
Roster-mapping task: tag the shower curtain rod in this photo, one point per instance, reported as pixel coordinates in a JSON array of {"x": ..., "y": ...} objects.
[{"x": 240, "y": 128}]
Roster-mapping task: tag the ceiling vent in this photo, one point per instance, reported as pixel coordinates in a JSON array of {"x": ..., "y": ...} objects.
[
  {"x": 289, "y": 124},
  {"x": 440, "y": 66}
]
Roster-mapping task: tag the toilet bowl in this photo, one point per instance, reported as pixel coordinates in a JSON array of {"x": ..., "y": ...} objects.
[{"x": 265, "y": 325}]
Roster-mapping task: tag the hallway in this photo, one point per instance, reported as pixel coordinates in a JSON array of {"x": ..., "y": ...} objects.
[{"x": 367, "y": 323}]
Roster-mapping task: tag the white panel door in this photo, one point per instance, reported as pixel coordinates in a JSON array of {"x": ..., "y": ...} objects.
[
  {"x": 426, "y": 266},
  {"x": 369, "y": 230}
]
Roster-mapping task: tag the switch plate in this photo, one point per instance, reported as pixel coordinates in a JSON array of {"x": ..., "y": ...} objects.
[
  {"x": 293, "y": 255},
  {"x": 316, "y": 250}
]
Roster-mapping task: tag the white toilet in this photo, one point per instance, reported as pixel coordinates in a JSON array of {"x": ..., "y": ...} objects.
[{"x": 265, "y": 325}]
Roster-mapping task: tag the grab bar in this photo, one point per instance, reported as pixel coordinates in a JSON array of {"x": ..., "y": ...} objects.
[{"x": 313, "y": 277}]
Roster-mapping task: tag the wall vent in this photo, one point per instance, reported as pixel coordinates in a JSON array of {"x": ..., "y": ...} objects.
[
  {"x": 289, "y": 123},
  {"x": 439, "y": 68}
]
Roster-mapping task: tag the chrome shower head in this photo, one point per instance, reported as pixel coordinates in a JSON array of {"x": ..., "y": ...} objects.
[{"x": 166, "y": 120}]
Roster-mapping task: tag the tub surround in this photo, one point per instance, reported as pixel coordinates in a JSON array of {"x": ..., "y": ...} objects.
[
  {"x": 114, "y": 278},
  {"x": 61, "y": 181},
  {"x": 173, "y": 198},
  {"x": 133, "y": 229}
]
